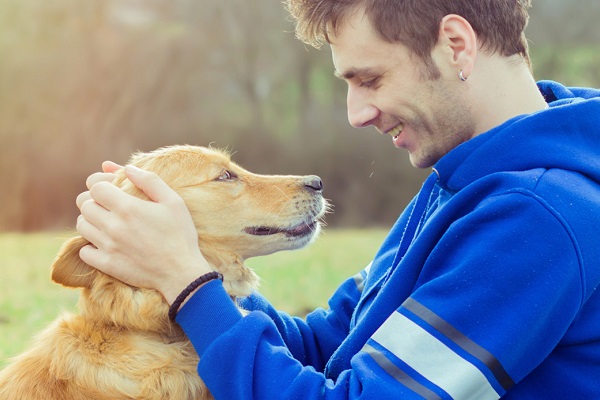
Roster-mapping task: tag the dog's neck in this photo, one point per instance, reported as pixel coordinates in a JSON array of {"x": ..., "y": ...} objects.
[
  {"x": 112, "y": 302},
  {"x": 238, "y": 279}
]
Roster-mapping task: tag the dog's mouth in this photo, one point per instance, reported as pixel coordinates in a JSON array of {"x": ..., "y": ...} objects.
[{"x": 302, "y": 229}]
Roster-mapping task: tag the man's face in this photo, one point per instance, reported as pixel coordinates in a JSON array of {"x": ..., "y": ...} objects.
[{"x": 392, "y": 91}]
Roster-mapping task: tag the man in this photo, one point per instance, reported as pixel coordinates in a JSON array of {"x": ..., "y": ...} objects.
[{"x": 485, "y": 286}]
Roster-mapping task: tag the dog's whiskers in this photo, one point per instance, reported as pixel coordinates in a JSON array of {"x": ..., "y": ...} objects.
[{"x": 283, "y": 192}]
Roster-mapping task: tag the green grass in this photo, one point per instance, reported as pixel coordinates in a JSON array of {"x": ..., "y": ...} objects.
[
  {"x": 299, "y": 281},
  {"x": 294, "y": 281}
]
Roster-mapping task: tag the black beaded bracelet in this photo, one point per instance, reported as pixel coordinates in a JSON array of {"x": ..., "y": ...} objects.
[{"x": 189, "y": 289}]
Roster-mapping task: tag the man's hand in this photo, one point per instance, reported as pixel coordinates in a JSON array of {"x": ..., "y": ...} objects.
[{"x": 151, "y": 244}]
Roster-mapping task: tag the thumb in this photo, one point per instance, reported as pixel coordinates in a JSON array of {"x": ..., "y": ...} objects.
[{"x": 150, "y": 183}]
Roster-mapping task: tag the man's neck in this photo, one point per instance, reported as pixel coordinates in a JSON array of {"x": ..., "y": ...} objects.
[{"x": 503, "y": 88}]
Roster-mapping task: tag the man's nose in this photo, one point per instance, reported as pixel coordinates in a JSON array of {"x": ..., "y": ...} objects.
[{"x": 361, "y": 112}]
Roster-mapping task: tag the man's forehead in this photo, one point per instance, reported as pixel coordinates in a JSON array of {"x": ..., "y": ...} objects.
[
  {"x": 356, "y": 48},
  {"x": 351, "y": 58}
]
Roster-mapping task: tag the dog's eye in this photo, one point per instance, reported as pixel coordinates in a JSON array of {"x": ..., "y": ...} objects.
[{"x": 226, "y": 176}]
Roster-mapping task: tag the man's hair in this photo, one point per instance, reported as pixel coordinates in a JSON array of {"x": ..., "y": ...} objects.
[{"x": 498, "y": 24}]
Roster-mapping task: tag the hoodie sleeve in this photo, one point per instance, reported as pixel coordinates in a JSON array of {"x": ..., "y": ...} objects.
[
  {"x": 312, "y": 341},
  {"x": 251, "y": 361},
  {"x": 267, "y": 353},
  {"x": 248, "y": 358}
]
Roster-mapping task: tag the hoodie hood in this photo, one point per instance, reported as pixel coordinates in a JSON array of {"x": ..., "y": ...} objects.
[{"x": 565, "y": 136}]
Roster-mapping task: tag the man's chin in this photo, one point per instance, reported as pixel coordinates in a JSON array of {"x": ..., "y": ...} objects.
[{"x": 422, "y": 161}]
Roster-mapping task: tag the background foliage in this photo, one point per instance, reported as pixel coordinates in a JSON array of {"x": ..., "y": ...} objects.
[{"x": 85, "y": 81}]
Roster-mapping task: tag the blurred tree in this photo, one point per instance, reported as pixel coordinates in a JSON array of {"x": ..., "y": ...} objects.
[
  {"x": 85, "y": 81},
  {"x": 565, "y": 41}
]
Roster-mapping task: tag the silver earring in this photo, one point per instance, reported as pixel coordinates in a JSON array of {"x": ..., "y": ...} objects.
[{"x": 462, "y": 76}]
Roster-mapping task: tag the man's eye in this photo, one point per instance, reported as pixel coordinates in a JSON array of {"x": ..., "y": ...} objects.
[
  {"x": 369, "y": 83},
  {"x": 226, "y": 176}
]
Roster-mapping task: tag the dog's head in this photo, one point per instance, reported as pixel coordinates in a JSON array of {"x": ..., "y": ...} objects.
[{"x": 237, "y": 215}]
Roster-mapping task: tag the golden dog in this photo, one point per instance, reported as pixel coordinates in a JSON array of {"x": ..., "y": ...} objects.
[{"x": 122, "y": 344}]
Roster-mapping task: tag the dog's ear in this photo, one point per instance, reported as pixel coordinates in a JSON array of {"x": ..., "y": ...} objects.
[{"x": 68, "y": 269}]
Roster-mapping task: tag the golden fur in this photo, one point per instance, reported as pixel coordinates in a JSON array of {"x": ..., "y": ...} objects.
[{"x": 121, "y": 344}]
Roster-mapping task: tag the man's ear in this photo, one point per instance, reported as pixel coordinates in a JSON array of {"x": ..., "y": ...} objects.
[
  {"x": 458, "y": 42},
  {"x": 68, "y": 269}
]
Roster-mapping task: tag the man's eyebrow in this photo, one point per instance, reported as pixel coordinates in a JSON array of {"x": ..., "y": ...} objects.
[{"x": 353, "y": 72}]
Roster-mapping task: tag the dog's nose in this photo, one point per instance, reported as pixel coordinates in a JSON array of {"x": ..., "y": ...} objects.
[{"x": 313, "y": 182}]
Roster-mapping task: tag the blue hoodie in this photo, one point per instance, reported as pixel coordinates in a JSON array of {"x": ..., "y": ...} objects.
[{"x": 484, "y": 288}]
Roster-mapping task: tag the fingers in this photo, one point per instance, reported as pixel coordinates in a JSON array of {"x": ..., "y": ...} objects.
[
  {"x": 154, "y": 187},
  {"x": 106, "y": 196},
  {"x": 92, "y": 256},
  {"x": 110, "y": 196},
  {"x": 95, "y": 217},
  {"x": 151, "y": 184},
  {"x": 110, "y": 167},
  {"x": 87, "y": 230},
  {"x": 92, "y": 220},
  {"x": 133, "y": 239},
  {"x": 109, "y": 170},
  {"x": 99, "y": 177}
]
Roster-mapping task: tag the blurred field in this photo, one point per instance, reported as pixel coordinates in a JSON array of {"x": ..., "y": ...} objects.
[{"x": 293, "y": 281}]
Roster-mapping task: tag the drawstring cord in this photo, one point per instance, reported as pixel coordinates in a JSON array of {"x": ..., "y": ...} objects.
[{"x": 416, "y": 216}]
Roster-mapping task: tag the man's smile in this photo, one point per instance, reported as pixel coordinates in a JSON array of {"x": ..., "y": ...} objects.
[{"x": 395, "y": 131}]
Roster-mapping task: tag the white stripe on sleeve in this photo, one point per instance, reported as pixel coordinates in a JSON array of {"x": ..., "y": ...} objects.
[{"x": 433, "y": 359}]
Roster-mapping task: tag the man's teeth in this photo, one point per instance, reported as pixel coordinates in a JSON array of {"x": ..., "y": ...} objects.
[{"x": 396, "y": 131}]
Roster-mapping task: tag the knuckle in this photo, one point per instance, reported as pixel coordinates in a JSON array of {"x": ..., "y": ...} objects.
[
  {"x": 111, "y": 243},
  {"x": 110, "y": 247},
  {"x": 127, "y": 211},
  {"x": 113, "y": 229}
]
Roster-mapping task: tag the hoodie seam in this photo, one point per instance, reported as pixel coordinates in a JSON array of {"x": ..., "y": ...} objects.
[{"x": 562, "y": 221}]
